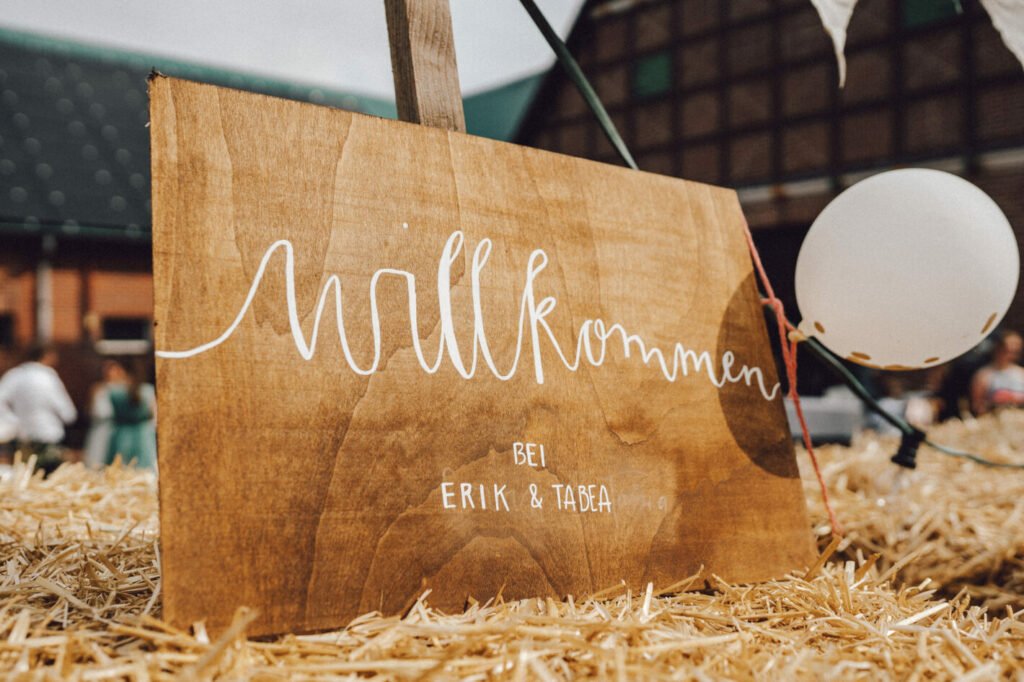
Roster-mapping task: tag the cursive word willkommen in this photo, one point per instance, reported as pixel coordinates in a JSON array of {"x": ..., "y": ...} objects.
[{"x": 591, "y": 341}]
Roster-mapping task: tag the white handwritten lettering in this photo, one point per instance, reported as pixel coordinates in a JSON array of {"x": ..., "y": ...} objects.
[
  {"x": 474, "y": 496},
  {"x": 530, "y": 454},
  {"x": 591, "y": 341},
  {"x": 447, "y": 494},
  {"x": 582, "y": 498}
]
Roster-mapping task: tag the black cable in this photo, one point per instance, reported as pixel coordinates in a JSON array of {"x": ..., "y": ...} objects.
[
  {"x": 572, "y": 69},
  {"x": 911, "y": 437},
  {"x": 960, "y": 454}
]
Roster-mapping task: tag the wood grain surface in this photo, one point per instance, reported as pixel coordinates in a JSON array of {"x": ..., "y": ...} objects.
[
  {"x": 315, "y": 489},
  {"x": 423, "y": 63}
]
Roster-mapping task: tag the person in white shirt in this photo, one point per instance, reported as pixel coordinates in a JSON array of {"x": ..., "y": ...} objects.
[{"x": 37, "y": 398}]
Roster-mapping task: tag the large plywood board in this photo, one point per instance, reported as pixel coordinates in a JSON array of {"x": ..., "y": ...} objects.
[{"x": 394, "y": 358}]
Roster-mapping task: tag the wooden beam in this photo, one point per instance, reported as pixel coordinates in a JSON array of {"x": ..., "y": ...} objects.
[{"x": 423, "y": 62}]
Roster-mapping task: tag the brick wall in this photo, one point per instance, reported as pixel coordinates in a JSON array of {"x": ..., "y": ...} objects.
[
  {"x": 121, "y": 294},
  {"x": 67, "y": 305},
  {"x": 17, "y": 292}
]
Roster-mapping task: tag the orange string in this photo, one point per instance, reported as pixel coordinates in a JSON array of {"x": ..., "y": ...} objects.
[{"x": 789, "y": 347}]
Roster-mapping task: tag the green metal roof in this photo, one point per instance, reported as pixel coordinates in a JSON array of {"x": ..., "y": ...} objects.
[
  {"x": 497, "y": 113},
  {"x": 74, "y": 148}
]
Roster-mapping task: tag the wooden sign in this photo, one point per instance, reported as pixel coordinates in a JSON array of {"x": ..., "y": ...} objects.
[{"x": 394, "y": 358}]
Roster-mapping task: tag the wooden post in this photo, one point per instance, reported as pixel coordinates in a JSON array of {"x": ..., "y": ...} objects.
[{"x": 423, "y": 62}]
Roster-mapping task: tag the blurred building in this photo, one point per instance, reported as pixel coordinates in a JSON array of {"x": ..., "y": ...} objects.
[
  {"x": 734, "y": 92},
  {"x": 743, "y": 93},
  {"x": 75, "y": 261}
]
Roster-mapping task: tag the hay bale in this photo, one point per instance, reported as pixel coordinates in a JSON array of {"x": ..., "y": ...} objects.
[
  {"x": 928, "y": 582},
  {"x": 958, "y": 524}
]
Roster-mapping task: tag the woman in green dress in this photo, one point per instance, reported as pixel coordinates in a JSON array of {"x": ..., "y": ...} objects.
[{"x": 133, "y": 436}]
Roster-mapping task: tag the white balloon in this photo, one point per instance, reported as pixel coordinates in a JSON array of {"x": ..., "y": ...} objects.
[{"x": 906, "y": 269}]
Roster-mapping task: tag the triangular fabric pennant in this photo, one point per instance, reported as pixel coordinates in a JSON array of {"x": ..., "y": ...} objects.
[
  {"x": 835, "y": 15},
  {"x": 1008, "y": 18}
]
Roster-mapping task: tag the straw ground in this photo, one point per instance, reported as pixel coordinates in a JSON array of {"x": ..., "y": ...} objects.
[{"x": 928, "y": 583}]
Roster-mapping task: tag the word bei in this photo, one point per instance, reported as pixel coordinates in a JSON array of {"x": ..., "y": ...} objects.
[
  {"x": 582, "y": 498},
  {"x": 470, "y": 496},
  {"x": 530, "y": 454}
]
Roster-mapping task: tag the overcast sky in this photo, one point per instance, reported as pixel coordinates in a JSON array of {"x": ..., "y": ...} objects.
[{"x": 340, "y": 44}]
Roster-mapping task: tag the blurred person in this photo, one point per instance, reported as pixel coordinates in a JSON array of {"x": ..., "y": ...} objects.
[
  {"x": 917, "y": 407},
  {"x": 8, "y": 433},
  {"x": 932, "y": 402},
  {"x": 894, "y": 400},
  {"x": 35, "y": 395},
  {"x": 133, "y": 433},
  {"x": 921, "y": 410},
  {"x": 101, "y": 414},
  {"x": 1000, "y": 383},
  {"x": 954, "y": 392}
]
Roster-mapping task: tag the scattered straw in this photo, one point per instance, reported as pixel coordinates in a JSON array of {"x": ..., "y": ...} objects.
[
  {"x": 959, "y": 525},
  {"x": 928, "y": 583}
]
